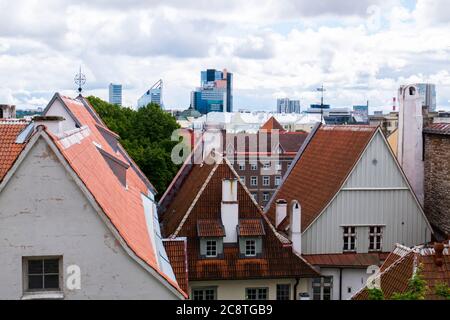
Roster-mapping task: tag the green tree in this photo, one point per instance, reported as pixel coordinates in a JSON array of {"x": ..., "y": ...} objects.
[
  {"x": 375, "y": 294},
  {"x": 417, "y": 288},
  {"x": 146, "y": 136},
  {"x": 442, "y": 289}
]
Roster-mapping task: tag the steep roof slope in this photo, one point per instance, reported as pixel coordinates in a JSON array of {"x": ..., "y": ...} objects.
[
  {"x": 401, "y": 266},
  {"x": 199, "y": 200},
  {"x": 9, "y": 149},
  {"x": 321, "y": 167},
  {"x": 129, "y": 207}
]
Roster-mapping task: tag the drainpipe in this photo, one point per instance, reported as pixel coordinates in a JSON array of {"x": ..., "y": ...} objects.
[
  {"x": 340, "y": 283},
  {"x": 295, "y": 288}
]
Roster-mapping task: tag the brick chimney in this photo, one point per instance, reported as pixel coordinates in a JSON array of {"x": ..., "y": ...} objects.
[
  {"x": 230, "y": 209},
  {"x": 296, "y": 226},
  {"x": 439, "y": 254},
  {"x": 280, "y": 211}
]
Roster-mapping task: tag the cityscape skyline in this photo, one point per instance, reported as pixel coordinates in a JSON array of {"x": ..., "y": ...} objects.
[{"x": 359, "y": 52}]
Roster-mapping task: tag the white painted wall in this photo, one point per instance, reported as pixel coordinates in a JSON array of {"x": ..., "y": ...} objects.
[
  {"x": 375, "y": 194},
  {"x": 354, "y": 279},
  {"x": 235, "y": 289},
  {"x": 57, "y": 109},
  {"x": 43, "y": 213}
]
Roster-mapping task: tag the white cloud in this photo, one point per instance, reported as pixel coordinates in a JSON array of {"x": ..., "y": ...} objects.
[{"x": 273, "y": 48}]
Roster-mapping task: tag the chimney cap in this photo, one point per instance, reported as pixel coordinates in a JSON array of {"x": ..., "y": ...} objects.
[{"x": 281, "y": 201}]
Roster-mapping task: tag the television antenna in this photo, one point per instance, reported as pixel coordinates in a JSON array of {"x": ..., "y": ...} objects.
[
  {"x": 322, "y": 90},
  {"x": 80, "y": 80}
]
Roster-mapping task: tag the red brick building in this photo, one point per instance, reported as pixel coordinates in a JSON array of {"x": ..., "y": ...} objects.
[{"x": 437, "y": 177}]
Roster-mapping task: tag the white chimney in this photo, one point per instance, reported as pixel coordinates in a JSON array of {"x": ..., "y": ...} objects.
[
  {"x": 52, "y": 123},
  {"x": 296, "y": 226},
  {"x": 230, "y": 209},
  {"x": 410, "y": 138},
  {"x": 280, "y": 211}
]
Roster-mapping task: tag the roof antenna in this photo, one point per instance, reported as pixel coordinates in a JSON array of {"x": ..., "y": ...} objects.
[{"x": 80, "y": 80}]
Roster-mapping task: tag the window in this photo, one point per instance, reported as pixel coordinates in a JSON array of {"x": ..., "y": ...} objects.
[
  {"x": 266, "y": 180},
  {"x": 211, "y": 248},
  {"x": 204, "y": 294},
  {"x": 242, "y": 180},
  {"x": 289, "y": 164},
  {"x": 256, "y": 293},
  {"x": 254, "y": 181},
  {"x": 250, "y": 248},
  {"x": 266, "y": 196},
  {"x": 322, "y": 288},
  {"x": 283, "y": 291},
  {"x": 254, "y": 166},
  {"x": 278, "y": 166},
  {"x": 42, "y": 274},
  {"x": 277, "y": 180},
  {"x": 255, "y": 196},
  {"x": 349, "y": 239},
  {"x": 375, "y": 237},
  {"x": 241, "y": 166}
]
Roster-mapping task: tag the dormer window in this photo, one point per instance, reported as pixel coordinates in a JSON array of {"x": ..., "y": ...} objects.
[
  {"x": 211, "y": 233},
  {"x": 250, "y": 232}
]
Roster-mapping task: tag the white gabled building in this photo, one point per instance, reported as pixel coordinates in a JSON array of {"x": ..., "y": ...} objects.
[
  {"x": 356, "y": 205},
  {"x": 78, "y": 219}
]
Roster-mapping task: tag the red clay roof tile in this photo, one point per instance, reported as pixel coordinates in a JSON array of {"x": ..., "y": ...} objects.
[
  {"x": 9, "y": 149},
  {"x": 210, "y": 228}
]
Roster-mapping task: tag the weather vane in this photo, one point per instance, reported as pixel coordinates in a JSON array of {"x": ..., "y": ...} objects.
[{"x": 80, "y": 80}]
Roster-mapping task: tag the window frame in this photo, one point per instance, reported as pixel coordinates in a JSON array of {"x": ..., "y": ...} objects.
[
  {"x": 323, "y": 285},
  {"x": 266, "y": 196},
  {"x": 375, "y": 238},
  {"x": 279, "y": 178},
  {"x": 243, "y": 180},
  {"x": 282, "y": 290},
  {"x": 241, "y": 166},
  {"x": 26, "y": 274},
  {"x": 258, "y": 291},
  {"x": 204, "y": 293},
  {"x": 247, "y": 246},
  {"x": 254, "y": 166},
  {"x": 207, "y": 241},
  {"x": 266, "y": 181},
  {"x": 253, "y": 181},
  {"x": 349, "y": 239}
]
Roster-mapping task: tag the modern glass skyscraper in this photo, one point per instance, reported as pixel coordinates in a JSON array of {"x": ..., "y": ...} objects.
[
  {"x": 215, "y": 92},
  {"x": 427, "y": 92},
  {"x": 286, "y": 105},
  {"x": 153, "y": 95},
  {"x": 115, "y": 94}
]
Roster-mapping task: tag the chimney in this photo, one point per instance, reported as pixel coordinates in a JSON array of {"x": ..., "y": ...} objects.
[
  {"x": 52, "y": 123},
  {"x": 230, "y": 209},
  {"x": 280, "y": 211},
  {"x": 439, "y": 254},
  {"x": 296, "y": 226},
  {"x": 410, "y": 138}
]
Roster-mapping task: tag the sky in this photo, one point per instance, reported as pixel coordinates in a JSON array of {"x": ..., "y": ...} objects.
[{"x": 361, "y": 50}]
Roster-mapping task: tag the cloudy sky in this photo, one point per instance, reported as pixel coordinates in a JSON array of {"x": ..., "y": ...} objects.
[{"x": 361, "y": 50}]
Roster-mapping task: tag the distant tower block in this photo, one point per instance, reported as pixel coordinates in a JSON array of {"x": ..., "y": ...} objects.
[{"x": 410, "y": 139}]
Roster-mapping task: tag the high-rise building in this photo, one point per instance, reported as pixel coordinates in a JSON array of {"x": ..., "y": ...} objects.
[
  {"x": 115, "y": 94},
  {"x": 361, "y": 113},
  {"x": 215, "y": 92},
  {"x": 153, "y": 95},
  {"x": 427, "y": 92},
  {"x": 286, "y": 105}
]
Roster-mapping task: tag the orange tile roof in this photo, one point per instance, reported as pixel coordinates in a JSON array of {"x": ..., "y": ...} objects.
[
  {"x": 321, "y": 167},
  {"x": 272, "y": 124},
  {"x": 395, "y": 275},
  {"x": 210, "y": 228},
  {"x": 177, "y": 252},
  {"x": 9, "y": 149},
  {"x": 200, "y": 192},
  {"x": 250, "y": 227},
  {"x": 123, "y": 206}
]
